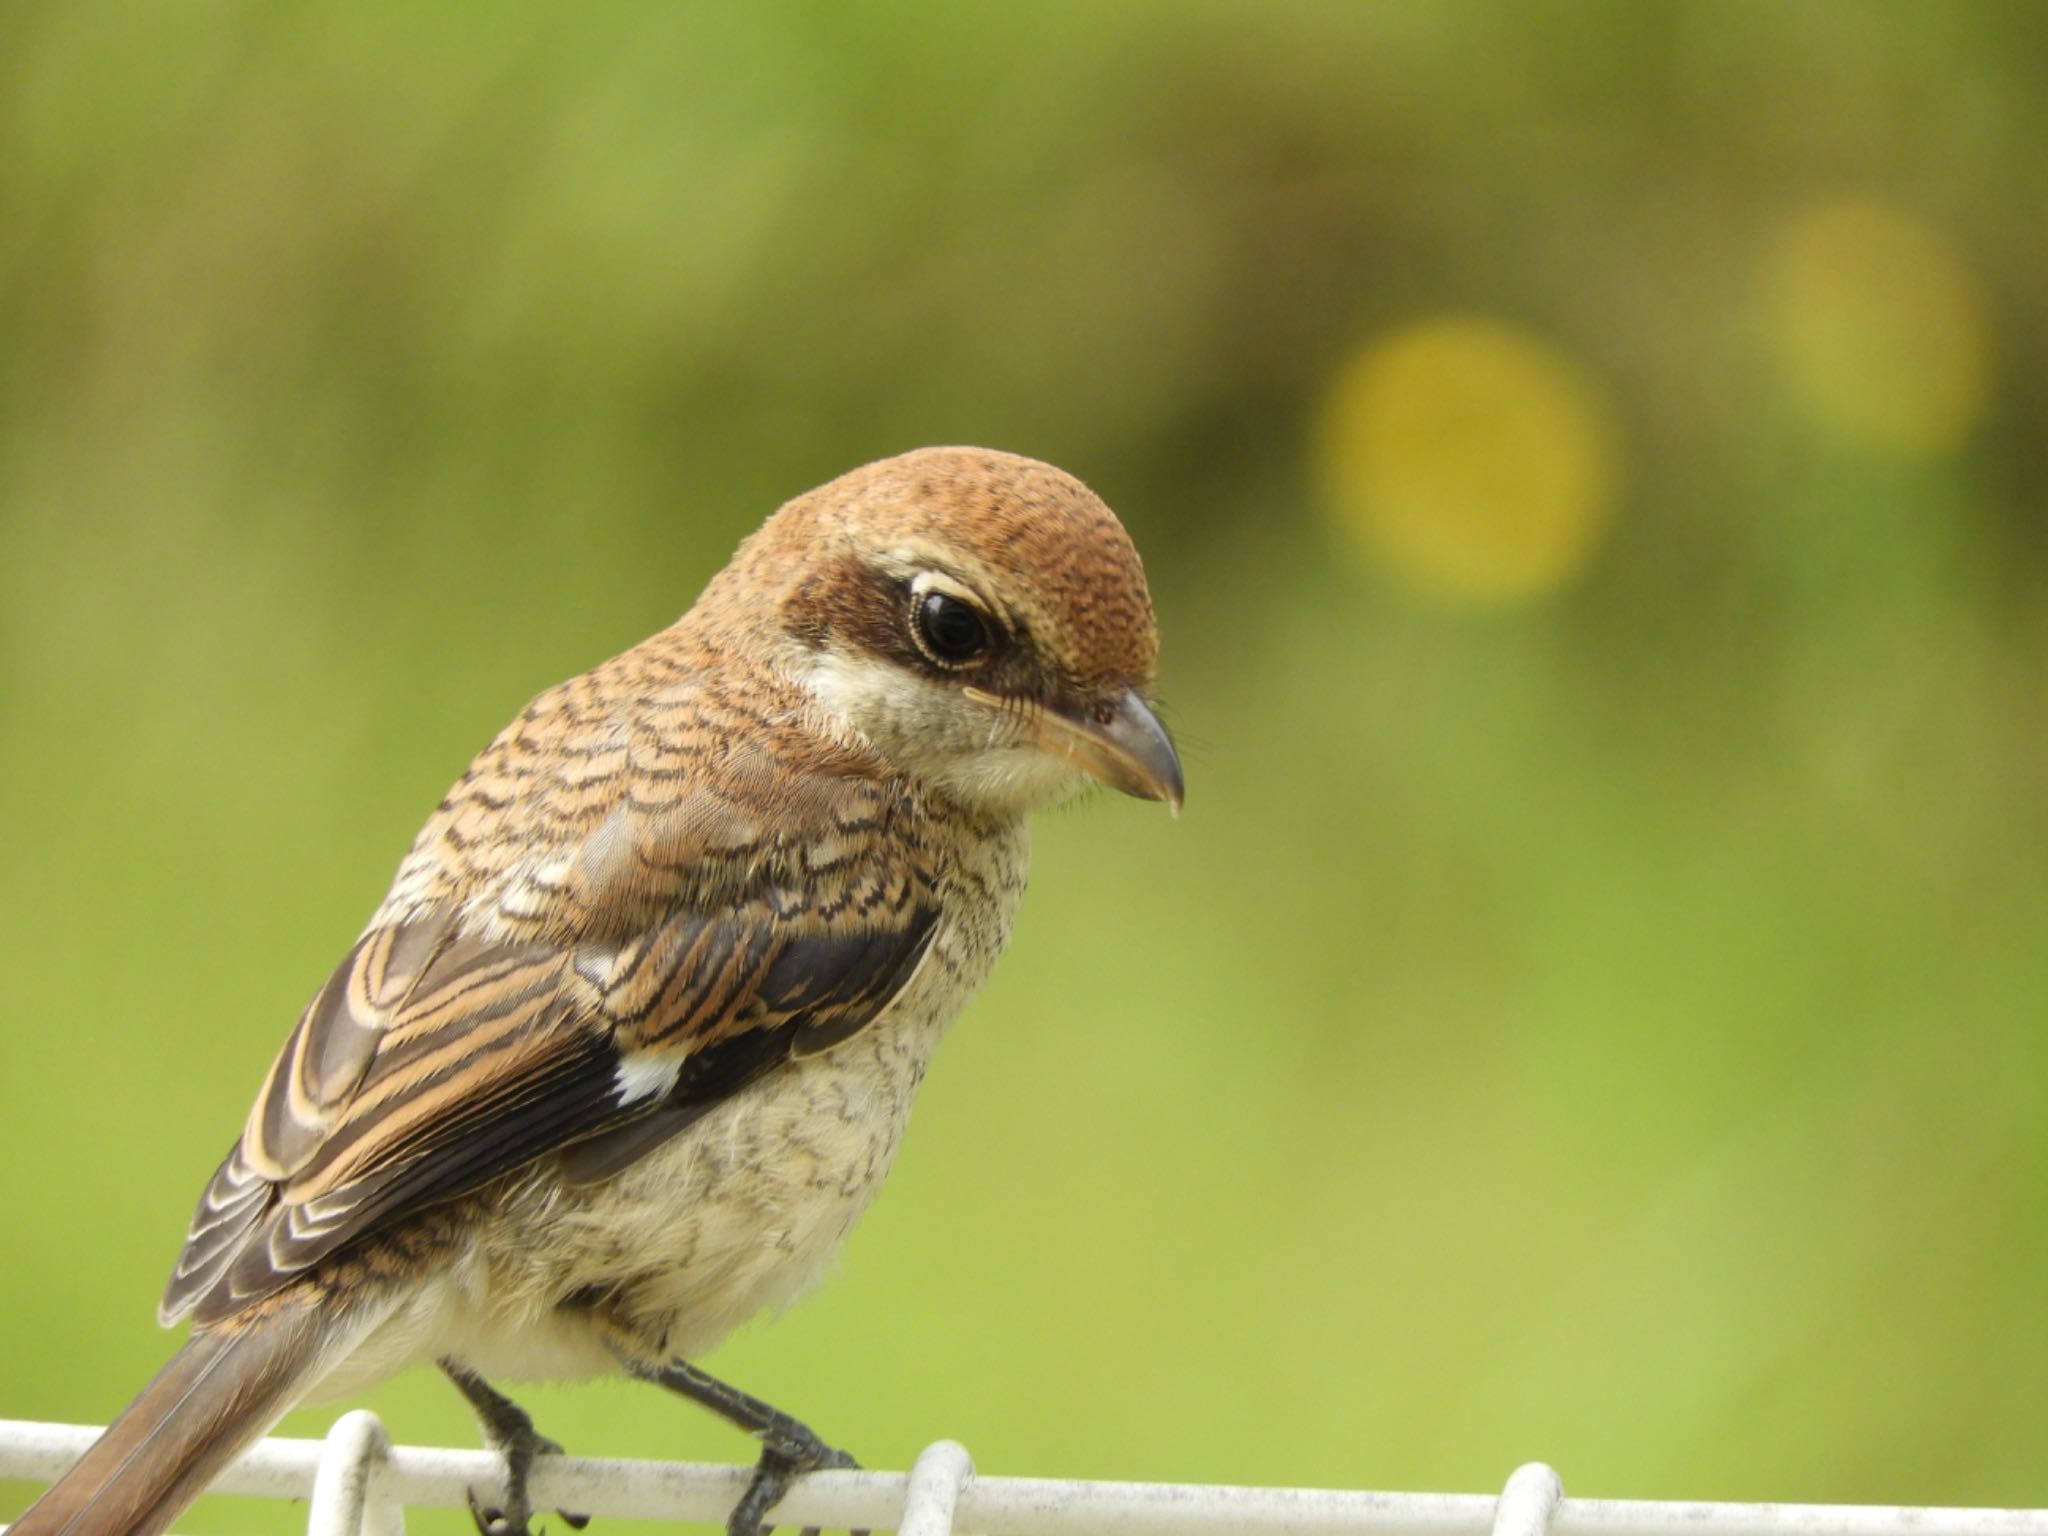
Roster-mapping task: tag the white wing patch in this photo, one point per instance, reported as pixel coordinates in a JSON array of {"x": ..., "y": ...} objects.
[{"x": 645, "y": 1076}]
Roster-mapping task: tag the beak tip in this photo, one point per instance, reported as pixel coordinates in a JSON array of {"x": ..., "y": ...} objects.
[
  {"x": 1153, "y": 754},
  {"x": 1126, "y": 748}
]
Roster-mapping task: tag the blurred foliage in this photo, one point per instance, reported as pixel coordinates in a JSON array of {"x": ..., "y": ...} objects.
[{"x": 1591, "y": 460}]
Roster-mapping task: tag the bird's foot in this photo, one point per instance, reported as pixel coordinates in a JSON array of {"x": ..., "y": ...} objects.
[
  {"x": 789, "y": 1447},
  {"x": 783, "y": 1461},
  {"x": 509, "y": 1431},
  {"x": 513, "y": 1517}
]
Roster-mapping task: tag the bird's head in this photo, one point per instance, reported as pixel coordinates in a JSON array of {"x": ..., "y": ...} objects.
[{"x": 980, "y": 619}]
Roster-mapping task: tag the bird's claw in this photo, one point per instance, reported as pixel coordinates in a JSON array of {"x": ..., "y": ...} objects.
[
  {"x": 515, "y": 1516},
  {"x": 774, "y": 1474},
  {"x": 493, "y": 1521}
]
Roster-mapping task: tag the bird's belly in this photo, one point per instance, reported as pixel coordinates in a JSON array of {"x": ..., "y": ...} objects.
[
  {"x": 746, "y": 1208},
  {"x": 741, "y": 1211}
]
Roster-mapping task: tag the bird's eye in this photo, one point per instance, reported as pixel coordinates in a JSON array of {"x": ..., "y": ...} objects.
[{"x": 950, "y": 631}]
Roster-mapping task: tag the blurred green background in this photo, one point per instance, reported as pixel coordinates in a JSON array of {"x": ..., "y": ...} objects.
[{"x": 1591, "y": 460}]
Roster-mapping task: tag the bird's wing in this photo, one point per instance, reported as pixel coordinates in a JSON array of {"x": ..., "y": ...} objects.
[{"x": 432, "y": 1061}]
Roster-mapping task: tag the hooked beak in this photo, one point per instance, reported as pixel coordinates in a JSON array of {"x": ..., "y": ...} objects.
[{"x": 1122, "y": 744}]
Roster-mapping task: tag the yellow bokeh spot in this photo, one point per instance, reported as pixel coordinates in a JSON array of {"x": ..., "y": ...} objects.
[
  {"x": 1880, "y": 327},
  {"x": 1473, "y": 461}
]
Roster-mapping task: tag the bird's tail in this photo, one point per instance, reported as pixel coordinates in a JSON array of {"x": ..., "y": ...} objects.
[{"x": 218, "y": 1395}]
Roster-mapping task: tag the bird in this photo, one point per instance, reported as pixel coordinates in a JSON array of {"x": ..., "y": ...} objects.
[{"x": 630, "y": 1042}]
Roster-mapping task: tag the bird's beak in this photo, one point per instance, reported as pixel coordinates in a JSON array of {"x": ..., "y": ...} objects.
[{"x": 1122, "y": 744}]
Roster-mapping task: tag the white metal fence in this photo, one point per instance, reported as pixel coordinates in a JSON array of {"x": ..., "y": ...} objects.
[{"x": 357, "y": 1484}]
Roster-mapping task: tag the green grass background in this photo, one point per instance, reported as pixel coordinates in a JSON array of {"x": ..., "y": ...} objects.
[{"x": 1609, "y": 1028}]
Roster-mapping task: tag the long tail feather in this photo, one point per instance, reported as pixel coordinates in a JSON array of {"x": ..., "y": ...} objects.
[{"x": 216, "y": 1397}]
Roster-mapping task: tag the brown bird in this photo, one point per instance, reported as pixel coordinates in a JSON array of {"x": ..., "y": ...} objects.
[{"x": 630, "y": 1043}]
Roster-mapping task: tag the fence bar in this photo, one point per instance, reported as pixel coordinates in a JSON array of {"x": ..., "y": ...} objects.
[
  {"x": 1529, "y": 1501},
  {"x": 346, "y": 1500},
  {"x": 942, "y": 1469},
  {"x": 1016, "y": 1506}
]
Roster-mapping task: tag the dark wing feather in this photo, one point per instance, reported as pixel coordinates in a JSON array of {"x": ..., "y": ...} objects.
[
  {"x": 489, "y": 1056},
  {"x": 820, "y": 990}
]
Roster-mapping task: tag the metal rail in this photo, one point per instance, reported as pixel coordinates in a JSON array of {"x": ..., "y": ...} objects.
[{"x": 359, "y": 1484}]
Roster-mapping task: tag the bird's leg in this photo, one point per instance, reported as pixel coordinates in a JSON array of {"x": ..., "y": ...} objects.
[
  {"x": 789, "y": 1448},
  {"x": 510, "y": 1432}
]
